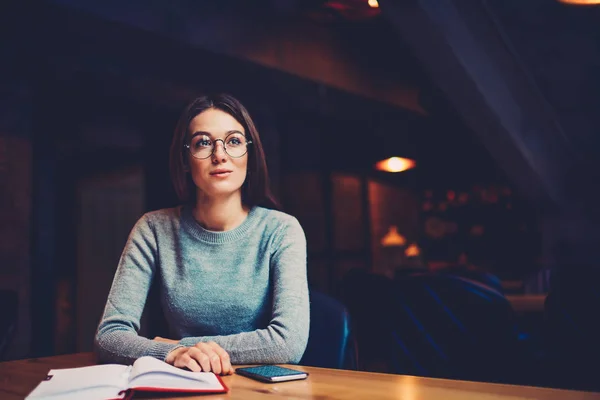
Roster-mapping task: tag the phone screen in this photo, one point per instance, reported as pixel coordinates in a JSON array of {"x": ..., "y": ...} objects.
[{"x": 271, "y": 373}]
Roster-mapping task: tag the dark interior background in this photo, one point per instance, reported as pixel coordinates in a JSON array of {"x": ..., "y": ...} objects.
[{"x": 495, "y": 101}]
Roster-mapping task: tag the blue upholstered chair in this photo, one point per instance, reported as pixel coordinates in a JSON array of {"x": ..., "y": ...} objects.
[
  {"x": 448, "y": 326},
  {"x": 330, "y": 343},
  {"x": 476, "y": 275}
]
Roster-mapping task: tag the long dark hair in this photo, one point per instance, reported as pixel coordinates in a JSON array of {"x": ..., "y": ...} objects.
[{"x": 256, "y": 189}]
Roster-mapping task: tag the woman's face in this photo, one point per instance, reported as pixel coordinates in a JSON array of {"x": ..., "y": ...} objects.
[{"x": 220, "y": 174}]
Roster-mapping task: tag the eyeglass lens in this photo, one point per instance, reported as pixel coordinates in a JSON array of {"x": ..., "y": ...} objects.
[{"x": 203, "y": 146}]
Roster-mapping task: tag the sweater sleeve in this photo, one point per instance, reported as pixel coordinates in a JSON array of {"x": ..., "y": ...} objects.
[
  {"x": 284, "y": 339},
  {"x": 117, "y": 338}
]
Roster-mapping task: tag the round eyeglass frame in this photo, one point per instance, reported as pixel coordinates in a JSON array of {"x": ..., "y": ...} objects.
[{"x": 248, "y": 141}]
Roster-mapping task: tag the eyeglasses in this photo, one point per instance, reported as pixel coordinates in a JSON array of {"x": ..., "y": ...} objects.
[{"x": 202, "y": 146}]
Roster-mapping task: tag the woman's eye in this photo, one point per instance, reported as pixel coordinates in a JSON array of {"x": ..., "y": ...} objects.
[
  {"x": 203, "y": 143},
  {"x": 234, "y": 141}
]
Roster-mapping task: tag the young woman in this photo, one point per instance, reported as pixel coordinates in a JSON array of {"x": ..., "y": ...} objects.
[{"x": 231, "y": 269}]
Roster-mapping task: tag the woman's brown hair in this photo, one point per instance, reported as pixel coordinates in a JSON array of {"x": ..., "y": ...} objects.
[{"x": 255, "y": 190}]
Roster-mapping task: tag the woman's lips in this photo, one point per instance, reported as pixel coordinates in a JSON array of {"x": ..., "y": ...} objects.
[{"x": 220, "y": 174}]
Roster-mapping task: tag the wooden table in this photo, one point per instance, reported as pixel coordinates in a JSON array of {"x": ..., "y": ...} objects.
[{"x": 18, "y": 378}]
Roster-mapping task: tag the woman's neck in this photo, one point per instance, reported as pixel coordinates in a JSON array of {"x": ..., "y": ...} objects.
[{"x": 221, "y": 214}]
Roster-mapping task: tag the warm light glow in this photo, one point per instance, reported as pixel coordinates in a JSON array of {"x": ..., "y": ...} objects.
[
  {"x": 412, "y": 251},
  {"x": 393, "y": 238},
  {"x": 395, "y": 164},
  {"x": 373, "y": 4},
  {"x": 581, "y": 2}
]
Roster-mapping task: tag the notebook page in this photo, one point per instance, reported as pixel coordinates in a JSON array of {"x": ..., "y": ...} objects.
[
  {"x": 111, "y": 377},
  {"x": 95, "y": 393},
  {"x": 150, "y": 372}
]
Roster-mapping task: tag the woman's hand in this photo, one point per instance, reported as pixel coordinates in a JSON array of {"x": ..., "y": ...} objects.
[{"x": 206, "y": 357}]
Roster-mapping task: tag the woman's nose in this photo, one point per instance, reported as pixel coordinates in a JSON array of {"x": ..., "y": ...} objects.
[{"x": 219, "y": 153}]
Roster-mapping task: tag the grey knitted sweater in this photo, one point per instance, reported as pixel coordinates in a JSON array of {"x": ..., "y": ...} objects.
[{"x": 245, "y": 289}]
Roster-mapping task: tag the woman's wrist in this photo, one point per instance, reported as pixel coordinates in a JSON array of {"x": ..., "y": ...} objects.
[{"x": 165, "y": 340}]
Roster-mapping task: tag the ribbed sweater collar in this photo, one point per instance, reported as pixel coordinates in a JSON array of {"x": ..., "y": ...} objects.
[{"x": 218, "y": 237}]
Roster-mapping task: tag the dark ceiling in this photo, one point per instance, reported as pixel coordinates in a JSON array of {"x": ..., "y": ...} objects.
[
  {"x": 559, "y": 46},
  {"x": 556, "y": 47},
  {"x": 524, "y": 76}
]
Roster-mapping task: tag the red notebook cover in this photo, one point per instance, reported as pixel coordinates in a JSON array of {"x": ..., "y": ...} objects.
[{"x": 130, "y": 393}]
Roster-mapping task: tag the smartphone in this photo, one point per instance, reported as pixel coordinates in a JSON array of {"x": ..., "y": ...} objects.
[{"x": 271, "y": 373}]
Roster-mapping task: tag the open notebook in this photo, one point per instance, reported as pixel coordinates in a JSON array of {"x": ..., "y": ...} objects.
[{"x": 113, "y": 381}]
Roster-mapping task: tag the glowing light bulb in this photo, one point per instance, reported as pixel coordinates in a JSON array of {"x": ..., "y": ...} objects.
[
  {"x": 373, "y": 4},
  {"x": 395, "y": 164}
]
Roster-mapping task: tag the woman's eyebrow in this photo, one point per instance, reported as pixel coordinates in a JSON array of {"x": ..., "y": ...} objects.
[{"x": 198, "y": 133}]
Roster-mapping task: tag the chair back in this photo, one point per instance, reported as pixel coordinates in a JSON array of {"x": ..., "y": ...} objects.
[
  {"x": 330, "y": 342},
  {"x": 448, "y": 326},
  {"x": 476, "y": 275}
]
